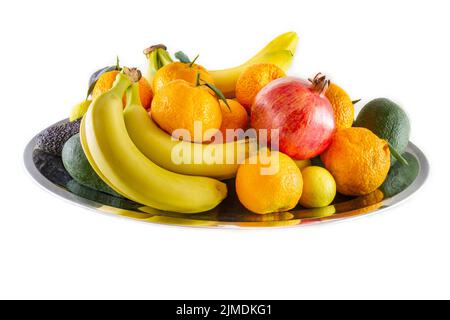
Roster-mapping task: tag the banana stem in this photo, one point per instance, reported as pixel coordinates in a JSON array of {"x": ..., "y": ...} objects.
[
  {"x": 157, "y": 57},
  {"x": 133, "y": 73},
  {"x": 121, "y": 84},
  {"x": 164, "y": 57},
  {"x": 153, "y": 65},
  {"x": 132, "y": 95}
]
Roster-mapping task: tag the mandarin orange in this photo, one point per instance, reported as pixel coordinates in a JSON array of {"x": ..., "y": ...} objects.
[
  {"x": 253, "y": 79},
  {"x": 182, "y": 105},
  {"x": 358, "y": 160}
]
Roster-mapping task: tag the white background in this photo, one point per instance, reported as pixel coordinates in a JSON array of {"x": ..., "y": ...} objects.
[{"x": 52, "y": 249}]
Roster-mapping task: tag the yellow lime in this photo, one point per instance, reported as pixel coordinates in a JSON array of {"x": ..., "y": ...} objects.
[
  {"x": 79, "y": 110},
  {"x": 319, "y": 187}
]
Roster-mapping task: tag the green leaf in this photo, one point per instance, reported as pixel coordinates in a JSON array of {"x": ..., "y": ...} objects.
[
  {"x": 180, "y": 55},
  {"x": 90, "y": 89}
]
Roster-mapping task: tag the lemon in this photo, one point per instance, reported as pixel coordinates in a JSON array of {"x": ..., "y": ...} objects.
[
  {"x": 319, "y": 187},
  {"x": 79, "y": 110}
]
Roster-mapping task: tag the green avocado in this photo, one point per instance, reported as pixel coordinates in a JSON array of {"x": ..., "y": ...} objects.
[
  {"x": 388, "y": 121},
  {"x": 400, "y": 176},
  {"x": 77, "y": 165}
]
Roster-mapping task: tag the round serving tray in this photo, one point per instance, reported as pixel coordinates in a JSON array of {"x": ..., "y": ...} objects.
[{"x": 49, "y": 172}]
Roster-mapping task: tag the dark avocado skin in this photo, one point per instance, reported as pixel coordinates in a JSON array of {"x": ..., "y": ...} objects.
[
  {"x": 52, "y": 139},
  {"x": 77, "y": 165},
  {"x": 100, "y": 197},
  {"x": 400, "y": 176},
  {"x": 388, "y": 121}
]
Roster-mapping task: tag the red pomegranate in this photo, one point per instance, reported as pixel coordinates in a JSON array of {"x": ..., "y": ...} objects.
[{"x": 301, "y": 112}]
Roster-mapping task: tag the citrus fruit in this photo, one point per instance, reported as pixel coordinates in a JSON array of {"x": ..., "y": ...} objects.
[
  {"x": 253, "y": 79},
  {"x": 79, "y": 110},
  {"x": 344, "y": 111},
  {"x": 106, "y": 80},
  {"x": 235, "y": 117},
  {"x": 179, "y": 70},
  {"x": 358, "y": 160},
  {"x": 104, "y": 83},
  {"x": 182, "y": 105},
  {"x": 388, "y": 121},
  {"x": 319, "y": 187},
  {"x": 145, "y": 93},
  {"x": 269, "y": 183}
]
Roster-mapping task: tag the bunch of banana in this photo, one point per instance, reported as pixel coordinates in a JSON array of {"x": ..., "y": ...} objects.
[
  {"x": 279, "y": 51},
  {"x": 219, "y": 160},
  {"x": 118, "y": 161}
]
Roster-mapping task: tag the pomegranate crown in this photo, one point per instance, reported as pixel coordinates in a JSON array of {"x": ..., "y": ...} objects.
[{"x": 320, "y": 83}]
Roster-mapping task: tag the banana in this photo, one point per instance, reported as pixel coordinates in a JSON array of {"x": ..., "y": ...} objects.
[
  {"x": 124, "y": 168},
  {"x": 279, "y": 51},
  {"x": 219, "y": 161},
  {"x": 286, "y": 41}
]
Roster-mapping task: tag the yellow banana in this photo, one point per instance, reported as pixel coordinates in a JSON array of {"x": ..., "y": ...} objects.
[
  {"x": 279, "y": 51},
  {"x": 286, "y": 41},
  {"x": 124, "y": 168},
  {"x": 219, "y": 161}
]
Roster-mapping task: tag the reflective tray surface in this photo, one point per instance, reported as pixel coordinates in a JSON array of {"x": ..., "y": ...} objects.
[{"x": 49, "y": 172}]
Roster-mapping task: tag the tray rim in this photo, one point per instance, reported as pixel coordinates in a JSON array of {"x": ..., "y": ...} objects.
[{"x": 91, "y": 205}]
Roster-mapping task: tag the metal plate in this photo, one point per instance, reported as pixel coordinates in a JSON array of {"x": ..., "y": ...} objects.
[{"x": 49, "y": 172}]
